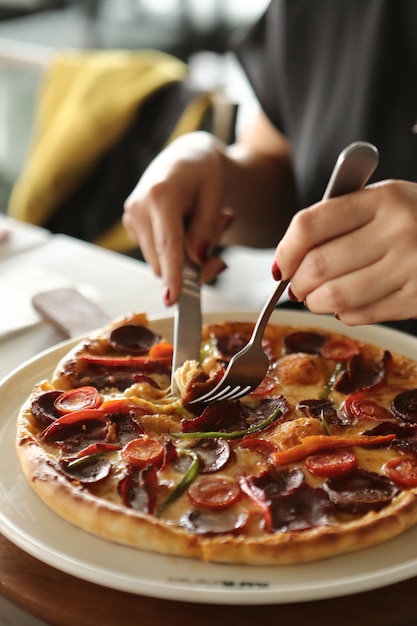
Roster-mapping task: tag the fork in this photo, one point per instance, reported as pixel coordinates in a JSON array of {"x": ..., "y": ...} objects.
[{"x": 247, "y": 368}]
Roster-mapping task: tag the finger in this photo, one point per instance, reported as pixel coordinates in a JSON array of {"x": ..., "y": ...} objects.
[
  {"x": 356, "y": 289},
  {"x": 142, "y": 235},
  {"x": 167, "y": 245},
  {"x": 393, "y": 306},
  {"x": 319, "y": 223},
  {"x": 205, "y": 222},
  {"x": 334, "y": 258}
]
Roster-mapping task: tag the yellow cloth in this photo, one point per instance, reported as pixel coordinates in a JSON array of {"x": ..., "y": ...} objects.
[
  {"x": 116, "y": 237},
  {"x": 86, "y": 103}
]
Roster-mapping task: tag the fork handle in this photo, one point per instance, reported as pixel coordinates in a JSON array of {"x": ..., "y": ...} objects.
[{"x": 354, "y": 166}]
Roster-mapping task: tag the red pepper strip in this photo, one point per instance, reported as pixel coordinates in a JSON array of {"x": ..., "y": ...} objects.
[
  {"x": 116, "y": 406},
  {"x": 109, "y": 407},
  {"x": 258, "y": 497},
  {"x": 98, "y": 448},
  {"x": 315, "y": 443},
  {"x": 125, "y": 361},
  {"x": 83, "y": 415}
]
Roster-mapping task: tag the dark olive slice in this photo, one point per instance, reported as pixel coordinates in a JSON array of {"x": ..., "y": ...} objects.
[
  {"x": 133, "y": 339},
  {"x": 303, "y": 341},
  {"x": 43, "y": 407},
  {"x": 231, "y": 344},
  {"x": 279, "y": 482},
  {"x": 360, "y": 491},
  {"x": 213, "y": 454},
  {"x": 321, "y": 409},
  {"x": 404, "y": 405},
  {"x": 303, "y": 508}
]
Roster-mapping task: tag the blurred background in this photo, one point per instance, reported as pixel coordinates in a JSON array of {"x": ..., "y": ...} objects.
[{"x": 196, "y": 31}]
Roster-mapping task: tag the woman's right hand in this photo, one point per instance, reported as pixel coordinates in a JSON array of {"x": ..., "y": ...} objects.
[{"x": 177, "y": 207}]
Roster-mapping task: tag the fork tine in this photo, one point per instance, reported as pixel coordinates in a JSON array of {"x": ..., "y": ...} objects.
[
  {"x": 214, "y": 394},
  {"x": 223, "y": 393},
  {"x": 229, "y": 393},
  {"x": 239, "y": 393}
]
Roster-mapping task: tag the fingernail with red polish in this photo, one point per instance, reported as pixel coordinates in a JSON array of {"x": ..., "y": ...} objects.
[
  {"x": 336, "y": 315},
  {"x": 203, "y": 252},
  {"x": 166, "y": 296},
  {"x": 291, "y": 296},
  {"x": 276, "y": 272}
]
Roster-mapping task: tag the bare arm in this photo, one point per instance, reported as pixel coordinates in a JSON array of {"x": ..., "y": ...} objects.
[
  {"x": 238, "y": 194},
  {"x": 261, "y": 185}
]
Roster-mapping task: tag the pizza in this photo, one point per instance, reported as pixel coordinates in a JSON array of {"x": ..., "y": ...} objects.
[{"x": 319, "y": 460}]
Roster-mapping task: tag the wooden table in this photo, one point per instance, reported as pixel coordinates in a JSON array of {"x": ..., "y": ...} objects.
[{"x": 62, "y": 600}]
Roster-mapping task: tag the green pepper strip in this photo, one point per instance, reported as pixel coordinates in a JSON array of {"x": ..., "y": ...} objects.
[
  {"x": 234, "y": 434},
  {"x": 340, "y": 367},
  {"x": 184, "y": 483},
  {"x": 326, "y": 427},
  {"x": 84, "y": 460}
]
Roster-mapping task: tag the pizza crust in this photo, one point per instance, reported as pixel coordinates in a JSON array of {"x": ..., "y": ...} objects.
[
  {"x": 131, "y": 528},
  {"x": 117, "y": 523}
]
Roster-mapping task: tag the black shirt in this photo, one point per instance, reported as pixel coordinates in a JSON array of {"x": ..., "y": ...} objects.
[{"x": 330, "y": 72}]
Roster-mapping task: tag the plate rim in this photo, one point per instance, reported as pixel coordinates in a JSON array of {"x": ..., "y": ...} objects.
[{"x": 203, "y": 592}]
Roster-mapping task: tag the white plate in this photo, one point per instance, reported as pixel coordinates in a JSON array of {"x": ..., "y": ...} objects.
[{"x": 28, "y": 523}]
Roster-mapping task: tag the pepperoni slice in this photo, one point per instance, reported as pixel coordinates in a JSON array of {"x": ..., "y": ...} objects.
[
  {"x": 332, "y": 463},
  {"x": 363, "y": 374},
  {"x": 133, "y": 339},
  {"x": 403, "y": 471},
  {"x": 214, "y": 492},
  {"x": 358, "y": 406},
  {"x": 341, "y": 349},
  {"x": 143, "y": 451},
  {"x": 404, "y": 405},
  {"x": 265, "y": 388},
  {"x": 77, "y": 399}
]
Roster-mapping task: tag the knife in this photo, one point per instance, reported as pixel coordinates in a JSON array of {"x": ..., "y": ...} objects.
[{"x": 187, "y": 322}]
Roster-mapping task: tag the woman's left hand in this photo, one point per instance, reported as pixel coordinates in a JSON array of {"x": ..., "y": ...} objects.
[{"x": 355, "y": 255}]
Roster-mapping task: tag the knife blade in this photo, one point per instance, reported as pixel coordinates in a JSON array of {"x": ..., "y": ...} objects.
[{"x": 187, "y": 322}]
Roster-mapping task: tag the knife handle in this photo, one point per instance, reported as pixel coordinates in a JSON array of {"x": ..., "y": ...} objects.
[{"x": 191, "y": 276}]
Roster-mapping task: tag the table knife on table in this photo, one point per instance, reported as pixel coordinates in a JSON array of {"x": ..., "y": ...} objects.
[
  {"x": 69, "y": 311},
  {"x": 187, "y": 322}
]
